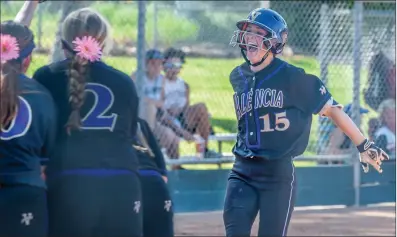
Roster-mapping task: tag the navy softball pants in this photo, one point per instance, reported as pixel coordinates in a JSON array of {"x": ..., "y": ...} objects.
[
  {"x": 157, "y": 205},
  {"x": 96, "y": 203},
  {"x": 23, "y": 211},
  {"x": 273, "y": 197}
]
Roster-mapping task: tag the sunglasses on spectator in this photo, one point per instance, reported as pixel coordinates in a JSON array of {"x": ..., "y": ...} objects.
[{"x": 173, "y": 65}]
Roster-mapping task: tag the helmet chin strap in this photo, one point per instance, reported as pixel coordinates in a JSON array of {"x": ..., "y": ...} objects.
[{"x": 254, "y": 64}]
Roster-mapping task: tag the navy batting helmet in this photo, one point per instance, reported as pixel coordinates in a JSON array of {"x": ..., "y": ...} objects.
[{"x": 268, "y": 20}]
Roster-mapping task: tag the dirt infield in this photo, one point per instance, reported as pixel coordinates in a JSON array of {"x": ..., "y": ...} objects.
[{"x": 363, "y": 221}]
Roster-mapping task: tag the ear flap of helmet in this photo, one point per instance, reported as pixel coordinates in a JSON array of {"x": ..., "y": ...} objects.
[{"x": 282, "y": 40}]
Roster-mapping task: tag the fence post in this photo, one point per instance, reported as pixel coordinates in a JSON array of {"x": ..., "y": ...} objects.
[
  {"x": 39, "y": 26},
  {"x": 357, "y": 19},
  {"x": 324, "y": 42},
  {"x": 323, "y": 54},
  {"x": 155, "y": 28},
  {"x": 141, "y": 46}
]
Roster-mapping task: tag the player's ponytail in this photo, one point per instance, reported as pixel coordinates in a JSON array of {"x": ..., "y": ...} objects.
[
  {"x": 16, "y": 44},
  {"x": 8, "y": 92},
  {"x": 77, "y": 74},
  {"x": 85, "y": 35}
]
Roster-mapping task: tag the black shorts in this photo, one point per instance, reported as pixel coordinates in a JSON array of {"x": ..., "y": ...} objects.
[
  {"x": 157, "y": 205},
  {"x": 95, "y": 203},
  {"x": 23, "y": 211},
  {"x": 181, "y": 119}
]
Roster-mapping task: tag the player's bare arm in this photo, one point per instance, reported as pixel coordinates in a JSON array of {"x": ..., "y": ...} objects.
[
  {"x": 25, "y": 14},
  {"x": 369, "y": 153}
]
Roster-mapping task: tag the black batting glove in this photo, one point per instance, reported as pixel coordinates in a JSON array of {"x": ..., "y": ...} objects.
[{"x": 371, "y": 155}]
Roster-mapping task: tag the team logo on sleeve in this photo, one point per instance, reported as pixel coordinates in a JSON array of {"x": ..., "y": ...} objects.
[{"x": 323, "y": 90}]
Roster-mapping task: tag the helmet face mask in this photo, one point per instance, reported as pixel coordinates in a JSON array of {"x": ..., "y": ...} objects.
[{"x": 239, "y": 38}]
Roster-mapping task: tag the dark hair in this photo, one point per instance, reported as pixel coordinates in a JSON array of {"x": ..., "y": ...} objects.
[
  {"x": 373, "y": 125},
  {"x": 82, "y": 22},
  {"x": 10, "y": 70},
  {"x": 174, "y": 53}
]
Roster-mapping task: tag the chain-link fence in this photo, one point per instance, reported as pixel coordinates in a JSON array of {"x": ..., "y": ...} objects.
[{"x": 349, "y": 45}]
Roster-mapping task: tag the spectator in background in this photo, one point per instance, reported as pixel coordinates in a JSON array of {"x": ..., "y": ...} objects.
[
  {"x": 373, "y": 125},
  {"x": 385, "y": 136},
  {"x": 151, "y": 103},
  {"x": 153, "y": 84},
  {"x": 333, "y": 141},
  {"x": 190, "y": 118},
  {"x": 381, "y": 80}
]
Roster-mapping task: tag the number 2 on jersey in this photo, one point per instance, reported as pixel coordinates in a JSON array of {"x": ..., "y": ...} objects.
[
  {"x": 20, "y": 125},
  {"x": 281, "y": 124},
  {"x": 95, "y": 118}
]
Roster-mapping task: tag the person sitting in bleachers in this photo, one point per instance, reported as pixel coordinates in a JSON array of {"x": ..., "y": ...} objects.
[
  {"x": 385, "y": 136},
  {"x": 152, "y": 100},
  {"x": 191, "y": 118}
]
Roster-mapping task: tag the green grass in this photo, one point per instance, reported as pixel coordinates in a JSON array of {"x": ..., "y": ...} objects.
[
  {"x": 123, "y": 17},
  {"x": 208, "y": 79}
]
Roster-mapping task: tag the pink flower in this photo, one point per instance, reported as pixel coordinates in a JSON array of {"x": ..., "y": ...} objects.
[
  {"x": 9, "y": 48},
  {"x": 87, "y": 48}
]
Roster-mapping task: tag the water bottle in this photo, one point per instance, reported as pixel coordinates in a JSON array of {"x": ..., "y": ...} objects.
[{"x": 200, "y": 146}]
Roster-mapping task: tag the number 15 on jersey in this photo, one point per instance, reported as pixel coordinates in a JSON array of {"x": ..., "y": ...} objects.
[{"x": 281, "y": 122}]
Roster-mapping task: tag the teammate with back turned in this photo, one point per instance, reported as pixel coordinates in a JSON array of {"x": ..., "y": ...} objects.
[
  {"x": 27, "y": 132},
  {"x": 27, "y": 129},
  {"x": 93, "y": 183},
  {"x": 274, "y": 103}
]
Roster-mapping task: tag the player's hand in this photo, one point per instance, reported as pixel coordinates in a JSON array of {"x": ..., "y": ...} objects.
[
  {"x": 371, "y": 155},
  {"x": 165, "y": 179}
]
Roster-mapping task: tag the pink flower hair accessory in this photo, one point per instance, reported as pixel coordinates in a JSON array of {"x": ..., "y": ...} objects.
[
  {"x": 87, "y": 48},
  {"x": 9, "y": 48}
]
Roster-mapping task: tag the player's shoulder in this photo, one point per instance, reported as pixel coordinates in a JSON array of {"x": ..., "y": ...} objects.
[
  {"x": 51, "y": 73},
  {"x": 36, "y": 94},
  {"x": 109, "y": 73},
  {"x": 297, "y": 74},
  {"x": 52, "y": 68},
  {"x": 30, "y": 85},
  {"x": 293, "y": 69},
  {"x": 239, "y": 74},
  {"x": 242, "y": 68}
]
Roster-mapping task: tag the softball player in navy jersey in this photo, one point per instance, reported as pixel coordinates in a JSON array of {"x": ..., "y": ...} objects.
[
  {"x": 92, "y": 177},
  {"x": 156, "y": 199},
  {"x": 27, "y": 129},
  {"x": 274, "y": 103}
]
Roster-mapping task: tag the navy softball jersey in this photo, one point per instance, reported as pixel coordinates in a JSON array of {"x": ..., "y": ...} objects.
[
  {"x": 109, "y": 118},
  {"x": 94, "y": 170},
  {"x": 274, "y": 108},
  {"x": 25, "y": 146}
]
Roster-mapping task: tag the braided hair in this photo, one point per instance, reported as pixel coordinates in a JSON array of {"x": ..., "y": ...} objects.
[{"x": 81, "y": 23}]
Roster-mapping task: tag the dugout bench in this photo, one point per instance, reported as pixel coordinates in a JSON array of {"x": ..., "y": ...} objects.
[{"x": 192, "y": 159}]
